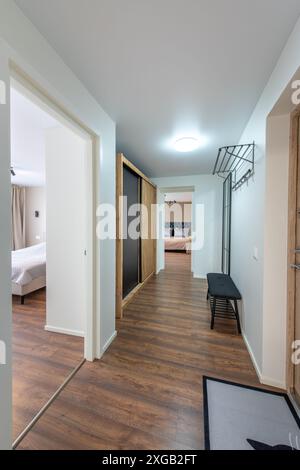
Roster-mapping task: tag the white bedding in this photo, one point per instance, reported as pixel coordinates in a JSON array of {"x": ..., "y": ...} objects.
[
  {"x": 28, "y": 264},
  {"x": 177, "y": 243}
]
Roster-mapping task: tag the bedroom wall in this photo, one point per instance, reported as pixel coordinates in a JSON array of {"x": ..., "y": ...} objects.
[
  {"x": 179, "y": 212},
  {"x": 262, "y": 286},
  {"x": 35, "y": 227},
  {"x": 22, "y": 44},
  {"x": 207, "y": 220}
]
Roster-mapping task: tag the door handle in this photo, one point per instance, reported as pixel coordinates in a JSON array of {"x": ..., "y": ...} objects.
[{"x": 295, "y": 266}]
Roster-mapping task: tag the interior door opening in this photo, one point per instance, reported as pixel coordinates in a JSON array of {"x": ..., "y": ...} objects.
[
  {"x": 178, "y": 219},
  {"x": 52, "y": 271}
]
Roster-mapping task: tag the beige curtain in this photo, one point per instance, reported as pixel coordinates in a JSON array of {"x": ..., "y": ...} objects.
[{"x": 18, "y": 217}]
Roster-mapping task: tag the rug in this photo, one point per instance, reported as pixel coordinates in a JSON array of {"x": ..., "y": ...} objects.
[{"x": 238, "y": 417}]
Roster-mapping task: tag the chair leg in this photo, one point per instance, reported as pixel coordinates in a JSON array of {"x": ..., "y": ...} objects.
[
  {"x": 207, "y": 295},
  {"x": 213, "y": 312},
  {"x": 237, "y": 316},
  {"x": 22, "y": 299}
]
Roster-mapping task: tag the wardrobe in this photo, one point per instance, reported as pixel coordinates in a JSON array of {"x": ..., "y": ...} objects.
[{"x": 135, "y": 210}]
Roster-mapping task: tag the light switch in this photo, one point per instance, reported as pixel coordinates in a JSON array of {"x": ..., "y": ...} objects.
[{"x": 255, "y": 253}]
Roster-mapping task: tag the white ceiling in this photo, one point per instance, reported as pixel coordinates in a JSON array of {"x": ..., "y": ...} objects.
[
  {"x": 179, "y": 197},
  {"x": 167, "y": 68},
  {"x": 28, "y": 124}
]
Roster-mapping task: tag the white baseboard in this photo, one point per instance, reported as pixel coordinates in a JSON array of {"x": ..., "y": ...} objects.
[
  {"x": 64, "y": 331},
  {"x": 198, "y": 276},
  {"x": 108, "y": 342},
  {"x": 272, "y": 383},
  {"x": 262, "y": 378},
  {"x": 256, "y": 367}
]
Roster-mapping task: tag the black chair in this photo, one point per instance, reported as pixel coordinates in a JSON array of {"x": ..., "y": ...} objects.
[{"x": 224, "y": 295}]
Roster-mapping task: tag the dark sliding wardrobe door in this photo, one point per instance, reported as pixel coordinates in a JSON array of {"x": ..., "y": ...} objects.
[{"x": 131, "y": 247}]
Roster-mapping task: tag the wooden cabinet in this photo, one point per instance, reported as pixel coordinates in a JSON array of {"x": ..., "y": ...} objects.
[
  {"x": 148, "y": 230},
  {"x": 135, "y": 259}
]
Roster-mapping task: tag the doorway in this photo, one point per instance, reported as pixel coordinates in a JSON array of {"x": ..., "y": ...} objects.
[
  {"x": 178, "y": 216},
  {"x": 52, "y": 313},
  {"x": 293, "y": 362}
]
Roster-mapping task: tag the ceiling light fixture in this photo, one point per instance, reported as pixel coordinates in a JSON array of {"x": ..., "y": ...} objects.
[
  {"x": 187, "y": 144},
  {"x": 171, "y": 203}
]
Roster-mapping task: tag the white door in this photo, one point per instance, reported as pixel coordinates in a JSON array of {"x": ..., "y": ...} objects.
[
  {"x": 66, "y": 232},
  {"x": 5, "y": 257}
]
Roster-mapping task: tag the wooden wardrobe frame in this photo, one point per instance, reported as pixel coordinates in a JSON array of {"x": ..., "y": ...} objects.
[
  {"x": 120, "y": 302},
  {"x": 292, "y": 215}
]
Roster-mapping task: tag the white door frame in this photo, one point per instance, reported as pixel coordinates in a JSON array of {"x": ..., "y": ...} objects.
[{"x": 27, "y": 86}]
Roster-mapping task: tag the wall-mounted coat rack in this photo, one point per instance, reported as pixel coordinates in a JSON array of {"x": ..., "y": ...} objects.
[{"x": 237, "y": 160}]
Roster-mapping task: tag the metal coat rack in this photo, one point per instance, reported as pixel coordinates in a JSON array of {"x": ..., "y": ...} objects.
[{"x": 237, "y": 160}]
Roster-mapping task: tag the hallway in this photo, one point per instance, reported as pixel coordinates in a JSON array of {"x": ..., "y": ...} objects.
[{"x": 146, "y": 392}]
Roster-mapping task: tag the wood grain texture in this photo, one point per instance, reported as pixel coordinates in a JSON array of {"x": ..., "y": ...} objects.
[
  {"x": 148, "y": 230},
  {"x": 148, "y": 264},
  {"x": 136, "y": 170},
  {"x": 41, "y": 360},
  {"x": 119, "y": 235},
  {"x": 146, "y": 391},
  {"x": 296, "y": 387},
  {"x": 293, "y": 240}
]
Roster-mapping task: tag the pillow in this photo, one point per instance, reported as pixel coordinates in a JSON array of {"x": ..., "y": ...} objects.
[
  {"x": 186, "y": 232},
  {"x": 178, "y": 233}
]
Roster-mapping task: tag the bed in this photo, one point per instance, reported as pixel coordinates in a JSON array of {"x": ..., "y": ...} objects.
[
  {"x": 28, "y": 272},
  {"x": 178, "y": 243}
]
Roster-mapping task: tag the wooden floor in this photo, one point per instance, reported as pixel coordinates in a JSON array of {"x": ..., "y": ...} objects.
[
  {"x": 41, "y": 360},
  {"x": 146, "y": 392}
]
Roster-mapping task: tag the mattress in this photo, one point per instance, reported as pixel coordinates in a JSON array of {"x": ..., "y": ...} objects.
[
  {"x": 177, "y": 243},
  {"x": 28, "y": 264}
]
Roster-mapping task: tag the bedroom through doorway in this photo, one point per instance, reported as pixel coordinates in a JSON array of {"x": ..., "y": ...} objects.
[
  {"x": 49, "y": 267},
  {"x": 178, "y": 229}
]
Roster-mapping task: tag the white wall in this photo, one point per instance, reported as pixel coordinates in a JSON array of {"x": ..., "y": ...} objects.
[
  {"x": 35, "y": 227},
  {"x": 275, "y": 250},
  {"x": 24, "y": 45},
  {"x": 66, "y": 231},
  {"x": 179, "y": 212},
  {"x": 207, "y": 197},
  {"x": 256, "y": 223},
  {"x": 5, "y": 256}
]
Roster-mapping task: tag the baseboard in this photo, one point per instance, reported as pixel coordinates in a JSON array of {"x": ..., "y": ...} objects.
[
  {"x": 108, "y": 342},
  {"x": 198, "y": 276},
  {"x": 256, "y": 367},
  {"x": 262, "y": 378},
  {"x": 64, "y": 331},
  {"x": 272, "y": 383}
]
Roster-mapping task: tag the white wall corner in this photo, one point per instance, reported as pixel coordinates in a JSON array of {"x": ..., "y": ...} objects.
[
  {"x": 108, "y": 343},
  {"x": 265, "y": 380},
  {"x": 273, "y": 383},
  {"x": 252, "y": 356}
]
